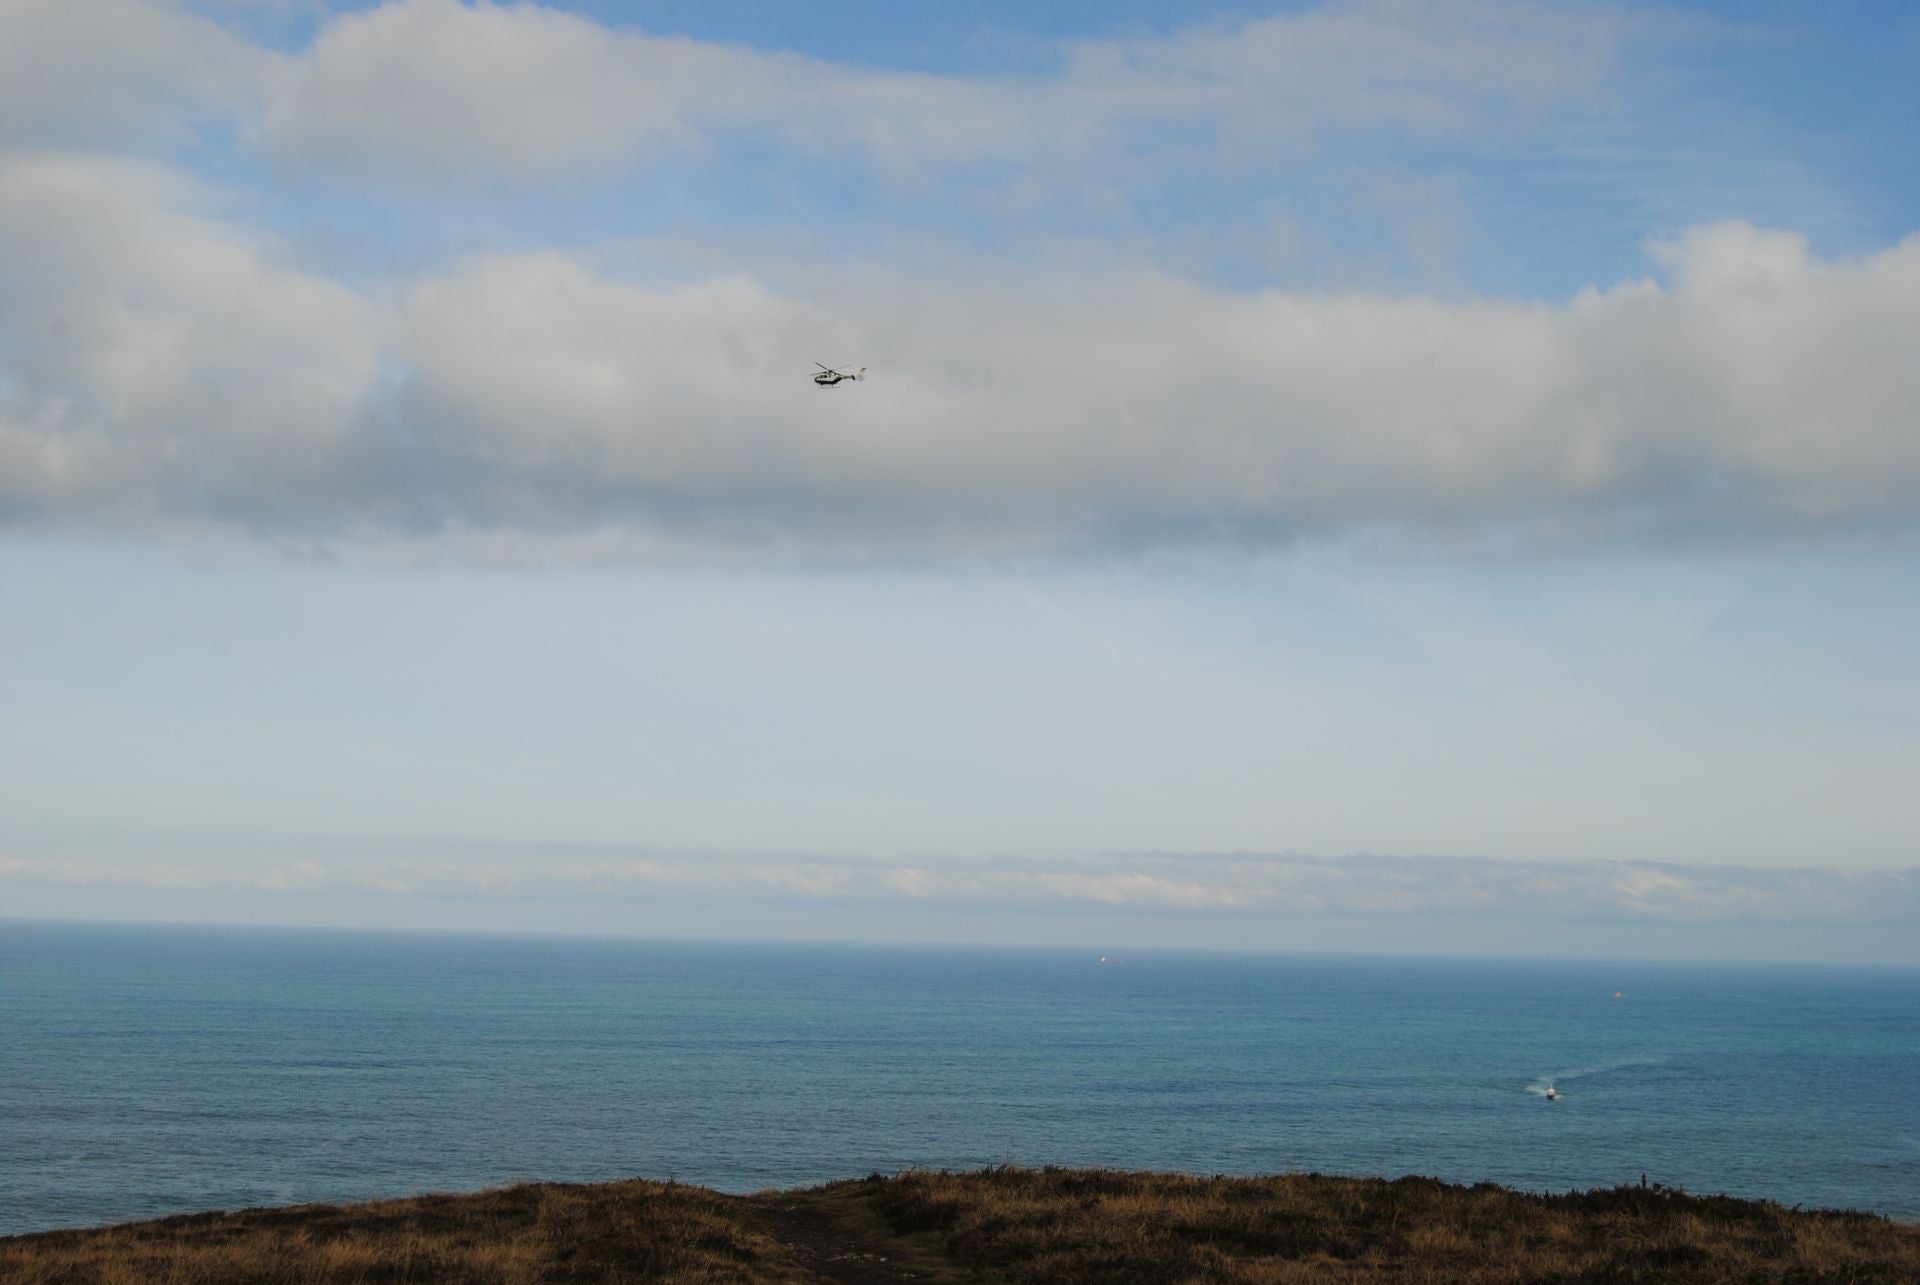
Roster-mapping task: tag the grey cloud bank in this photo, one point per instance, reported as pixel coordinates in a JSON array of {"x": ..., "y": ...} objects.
[
  {"x": 166, "y": 370},
  {"x": 1608, "y": 892}
]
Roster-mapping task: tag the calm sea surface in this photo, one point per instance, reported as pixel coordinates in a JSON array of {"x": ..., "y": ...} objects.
[{"x": 147, "y": 1071}]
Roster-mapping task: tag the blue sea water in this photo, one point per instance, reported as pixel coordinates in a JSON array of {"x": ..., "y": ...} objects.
[{"x": 155, "y": 1070}]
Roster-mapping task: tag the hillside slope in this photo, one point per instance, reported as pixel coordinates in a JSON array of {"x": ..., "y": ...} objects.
[{"x": 1020, "y": 1226}]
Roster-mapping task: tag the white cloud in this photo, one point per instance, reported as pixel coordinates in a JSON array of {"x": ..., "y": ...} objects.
[
  {"x": 1041, "y": 414},
  {"x": 77, "y": 70},
  {"x": 1435, "y": 68},
  {"x": 1389, "y": 887},
  {"x": 159, "y": 366},
  {"x": 526, "y": 90},
  {"x": 521, "y": 88},
  {"x": 167, "y": 368},
  {"x": 162, "y": 367}
]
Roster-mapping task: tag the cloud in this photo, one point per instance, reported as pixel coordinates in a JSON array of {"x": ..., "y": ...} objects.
[
  {"x": 527, "y": 90},
  {"x": 519, "y": 88},
  {"x": 117, "y": 69},
  {"x": 1370, "y": 886},
  {"x": 414, "y": 88},
  {"x": 1441, "y": 69},
  {"x": 165, "y": 368},
  {"x": 161, "y": 367}
]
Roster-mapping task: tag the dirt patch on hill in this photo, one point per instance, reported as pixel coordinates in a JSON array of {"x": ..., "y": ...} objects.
[{"x": 835, "y": 1234}]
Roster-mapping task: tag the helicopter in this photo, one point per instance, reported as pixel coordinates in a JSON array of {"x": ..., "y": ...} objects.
[{"x": 828, "y": 376}]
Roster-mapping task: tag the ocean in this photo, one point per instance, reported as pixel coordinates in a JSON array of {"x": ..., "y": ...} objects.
[{"x": 152, "y": 1070}]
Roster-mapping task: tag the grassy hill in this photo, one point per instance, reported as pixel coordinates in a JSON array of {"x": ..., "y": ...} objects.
[{"x": 1011, "y": 1225}]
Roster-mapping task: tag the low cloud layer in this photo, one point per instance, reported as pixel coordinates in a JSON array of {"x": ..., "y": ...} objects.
[
  {"x": 164, "y": 368},
  {"x": 1381, "y": 887}
]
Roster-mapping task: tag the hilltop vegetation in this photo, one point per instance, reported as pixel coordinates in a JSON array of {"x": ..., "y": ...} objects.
[
  {"x": 623, "y": 1231},
  {"x": 1070, "y": 1226},
  {"x": 1019, "y": 1226}
]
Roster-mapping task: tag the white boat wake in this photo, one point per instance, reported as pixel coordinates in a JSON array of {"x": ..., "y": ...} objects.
[{"x": 1547, "y": 1086}]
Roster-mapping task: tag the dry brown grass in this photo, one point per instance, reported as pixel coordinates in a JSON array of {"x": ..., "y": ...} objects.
[
  {"x": 626, "y": 1231},
  {"x": 1022, "y": 1226},
  {"x": 1069, "y": 1227}
]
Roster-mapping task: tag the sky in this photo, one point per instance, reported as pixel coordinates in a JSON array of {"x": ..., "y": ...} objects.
[{"x": 1358, "y": 475}]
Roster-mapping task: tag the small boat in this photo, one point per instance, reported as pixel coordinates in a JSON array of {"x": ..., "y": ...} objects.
[{"x": 1552, "y": 1094}]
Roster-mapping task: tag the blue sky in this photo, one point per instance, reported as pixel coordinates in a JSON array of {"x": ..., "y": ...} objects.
[{"x": 1353, "y": 475}]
